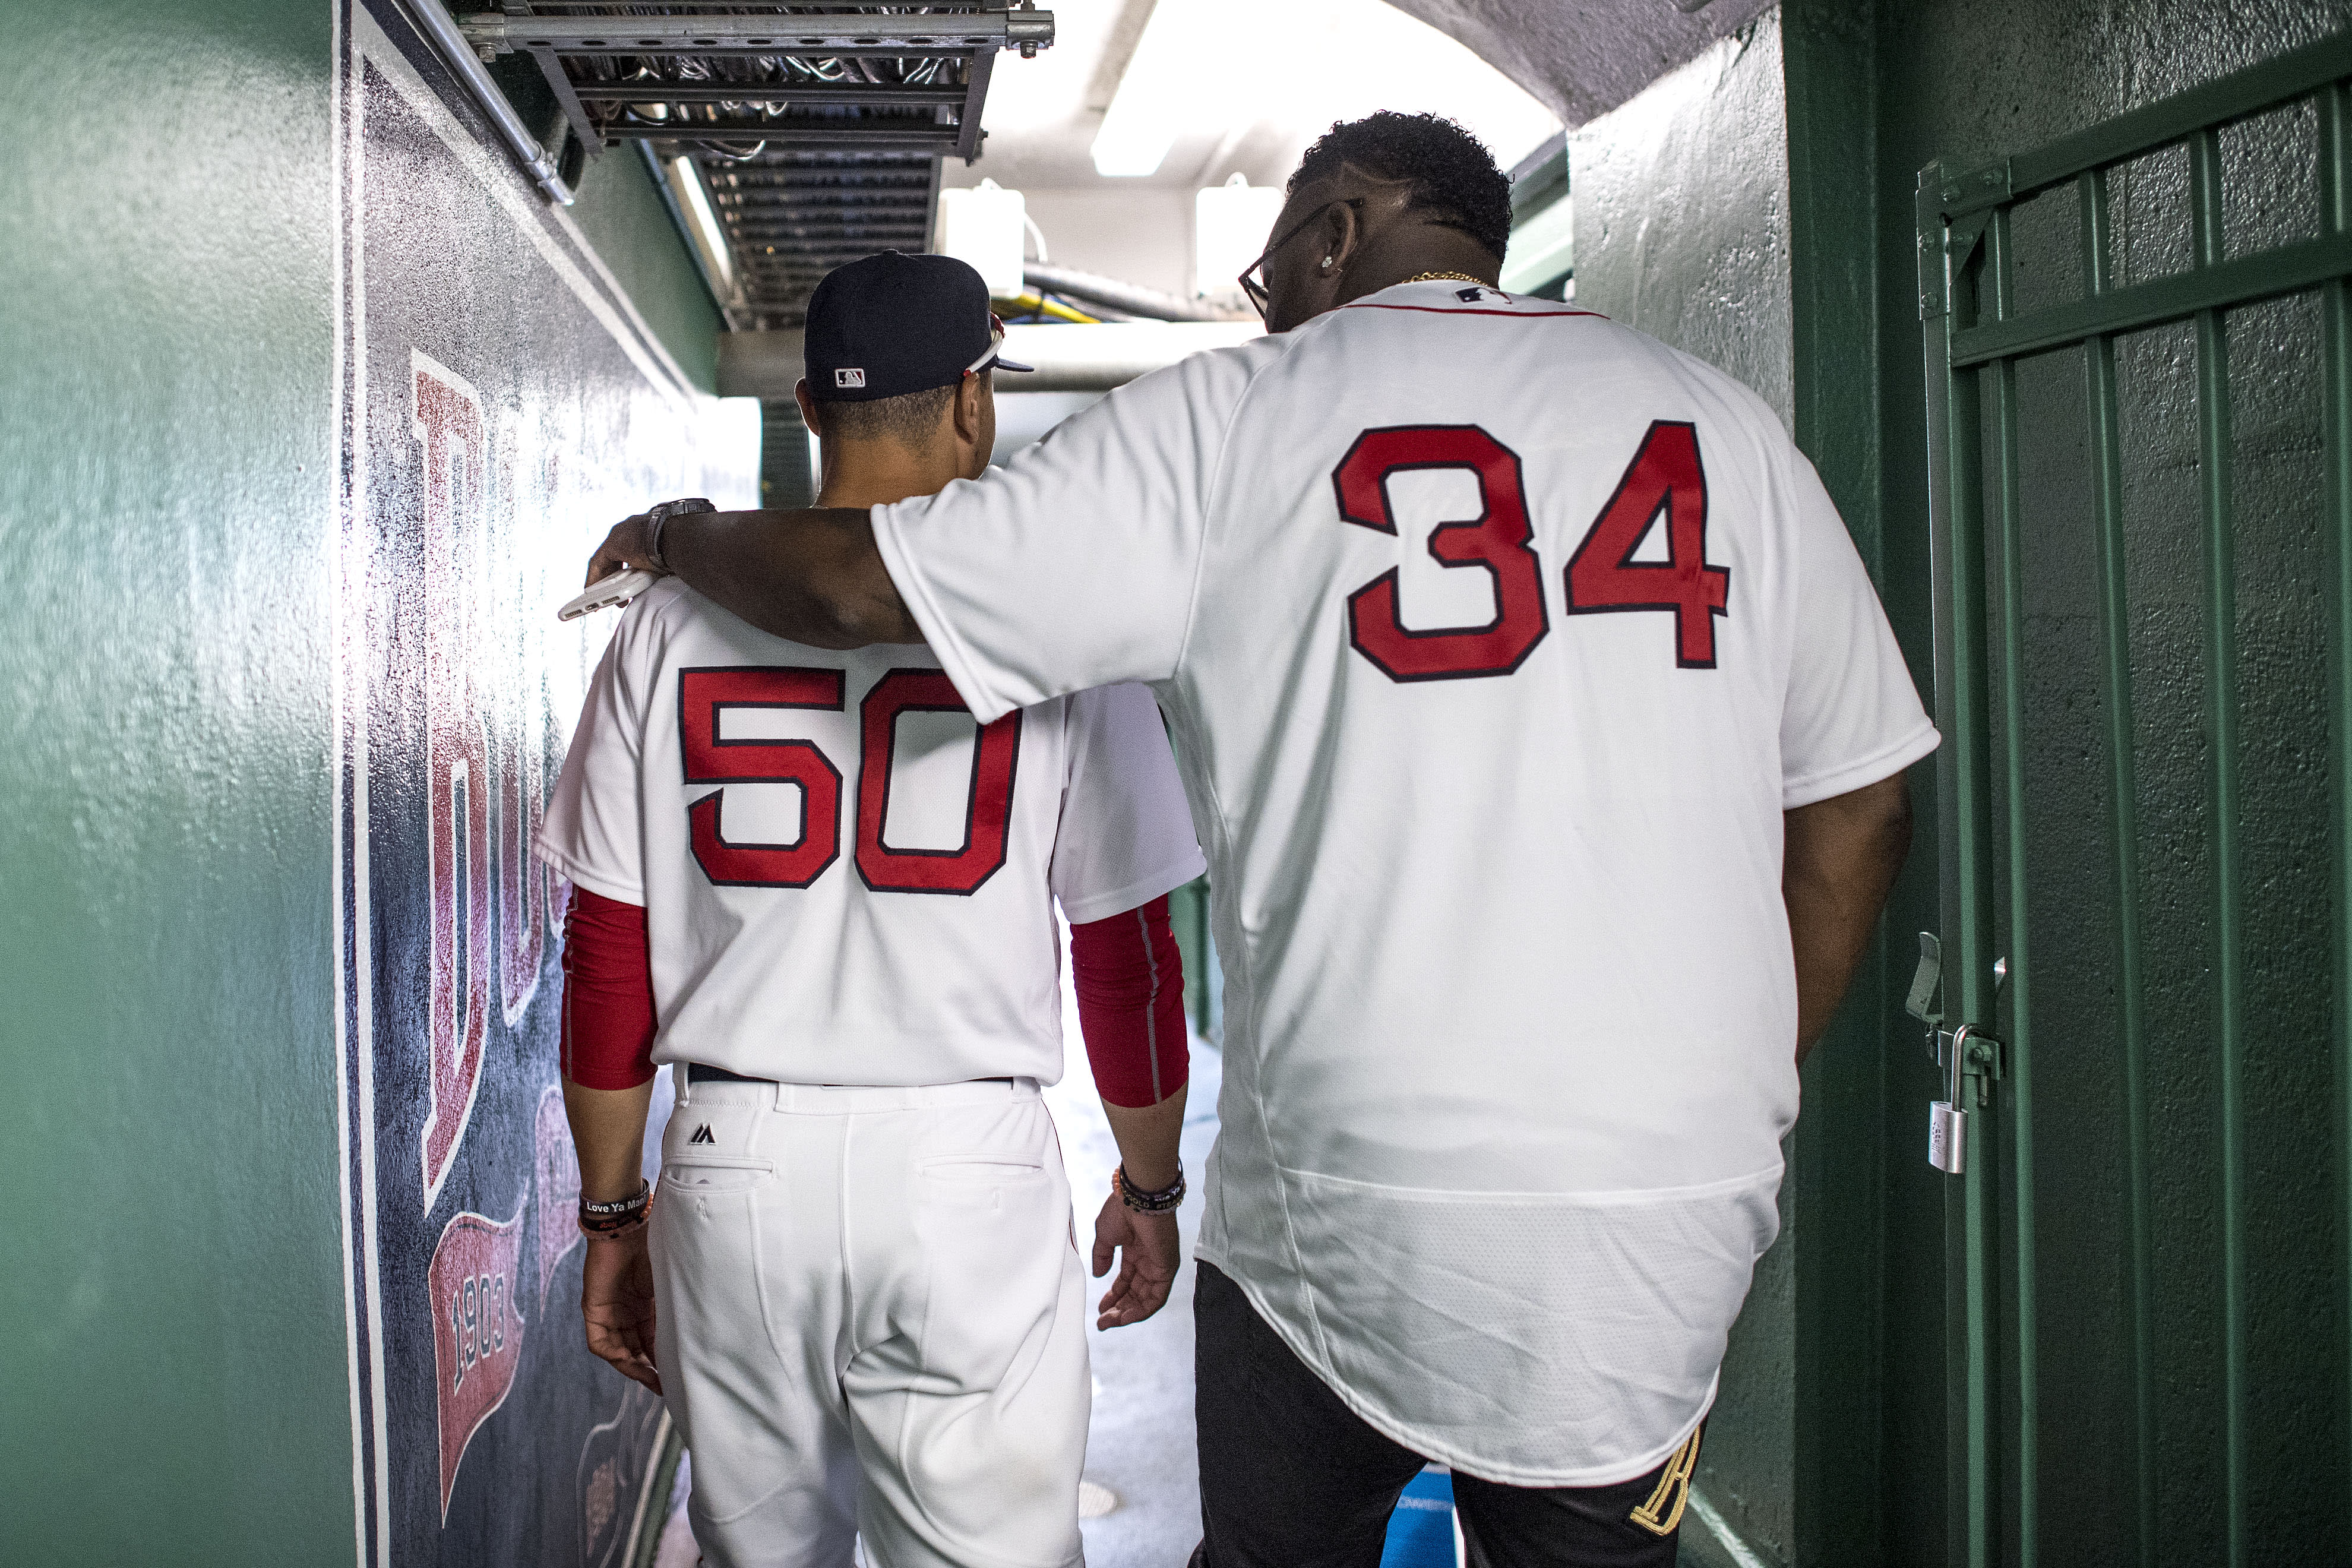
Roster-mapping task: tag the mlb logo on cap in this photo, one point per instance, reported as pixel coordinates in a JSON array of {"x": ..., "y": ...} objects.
[{"x": 891, "y": 324}]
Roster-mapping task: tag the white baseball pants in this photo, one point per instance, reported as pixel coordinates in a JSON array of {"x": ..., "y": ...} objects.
[{"x": 872, "y": 1324}]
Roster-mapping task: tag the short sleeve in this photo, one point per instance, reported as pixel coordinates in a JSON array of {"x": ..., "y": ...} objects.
[
  {"x": 1074, "y": 564},
  {"x": 1126, "y": 835},
  {"x": 593, "y": 830},
  {"x": 1852, "y": 716}
]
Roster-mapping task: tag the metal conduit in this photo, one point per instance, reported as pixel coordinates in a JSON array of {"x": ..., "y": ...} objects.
[
  {"x": 1127, "y": 299},
  {"x": 433, "y": 19}
]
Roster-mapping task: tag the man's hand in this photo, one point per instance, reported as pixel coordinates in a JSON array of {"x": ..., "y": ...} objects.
[
  {"x": 627, "y": 547},
  {"x": 616, "y": 1298},
  {"x": 812, "y": 576},
  {"x": 1150, "y": 1253}
]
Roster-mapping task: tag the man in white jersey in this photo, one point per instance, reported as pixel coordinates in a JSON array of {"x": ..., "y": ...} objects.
[
  {"x": 1546, "y": 740},
  {"x": 835, "y": 892}
]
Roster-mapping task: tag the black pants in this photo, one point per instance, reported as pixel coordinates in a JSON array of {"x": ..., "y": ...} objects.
[{"x": 1291, "y": 1478}]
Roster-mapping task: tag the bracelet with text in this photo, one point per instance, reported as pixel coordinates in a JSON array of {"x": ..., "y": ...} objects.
[
  {"x": 608, "y": 1222},
  {"x": 1144, "y": 1201}
]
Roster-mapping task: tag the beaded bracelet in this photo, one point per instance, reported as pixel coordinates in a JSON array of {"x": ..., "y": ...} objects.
[
  {"x": 1161, "y": 1202},
  {"x": 609, "y": 1222}
]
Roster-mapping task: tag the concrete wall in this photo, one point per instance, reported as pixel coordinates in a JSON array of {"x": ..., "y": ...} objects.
[
  {"x": 237, "y": 564},
  {"x": 1682, "y": 219},
  {"x": 1682, "y": 224}
]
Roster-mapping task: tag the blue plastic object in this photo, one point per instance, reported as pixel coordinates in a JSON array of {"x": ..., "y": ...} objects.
[{"x": 1421, "y": 1530}]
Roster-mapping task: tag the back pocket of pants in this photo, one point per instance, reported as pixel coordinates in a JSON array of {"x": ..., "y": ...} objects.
[{"x": 716, "y": 1175}]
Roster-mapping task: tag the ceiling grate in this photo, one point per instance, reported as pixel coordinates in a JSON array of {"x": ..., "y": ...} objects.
[{"x": 816, "y": 132}]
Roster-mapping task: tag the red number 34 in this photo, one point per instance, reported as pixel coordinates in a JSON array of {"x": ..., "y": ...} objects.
[{"x": 1665, "y": 476}]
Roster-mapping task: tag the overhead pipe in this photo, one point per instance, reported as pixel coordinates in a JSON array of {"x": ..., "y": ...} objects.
[
  {"x": 433, "y": 19},
  {"x": 1127, "y": 299}
]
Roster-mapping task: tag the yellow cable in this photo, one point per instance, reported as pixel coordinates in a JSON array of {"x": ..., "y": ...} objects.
[{"x": 1037, "y": 304}]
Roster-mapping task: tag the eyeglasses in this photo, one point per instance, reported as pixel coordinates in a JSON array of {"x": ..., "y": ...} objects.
[{"x": 1251, "y": 279}]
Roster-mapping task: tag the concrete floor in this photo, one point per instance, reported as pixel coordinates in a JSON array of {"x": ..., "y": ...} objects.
[{"x": 1140, "y": 1445}]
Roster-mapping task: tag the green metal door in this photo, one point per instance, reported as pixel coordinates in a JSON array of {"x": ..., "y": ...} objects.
[{"x": 2140, "y": 443}]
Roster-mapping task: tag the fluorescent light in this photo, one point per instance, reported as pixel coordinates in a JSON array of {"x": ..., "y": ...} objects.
[
  {"x": 1231, "y": 224},
  {"x": 1150, "y": 104},
  {"x": 986, "y": 225},
  {"x": 685, "y": 184}
]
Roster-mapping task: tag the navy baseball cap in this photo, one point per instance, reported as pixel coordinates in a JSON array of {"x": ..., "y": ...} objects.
[{"x": 895, "y": 324}]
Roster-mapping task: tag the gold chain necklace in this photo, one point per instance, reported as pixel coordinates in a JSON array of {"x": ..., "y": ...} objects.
[{"x": 1449, "y": 277}]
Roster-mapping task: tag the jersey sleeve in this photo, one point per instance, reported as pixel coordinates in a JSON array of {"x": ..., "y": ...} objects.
[
  {"x": 1852, "y": 715},
  {"x": 593, "y": 833},
  {"x": 1126, "y": 834},
  {"x": 1074, "y": 564}
]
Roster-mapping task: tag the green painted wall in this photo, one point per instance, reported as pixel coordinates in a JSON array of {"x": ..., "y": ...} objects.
[
  {"x": 175, "y": 1388},
  {"x": 622, "y": 214},
  {"x": 1969, "y": 82},
  {"x": 176, "y": 1382},
  {"x": 1829, "y": 1443}
]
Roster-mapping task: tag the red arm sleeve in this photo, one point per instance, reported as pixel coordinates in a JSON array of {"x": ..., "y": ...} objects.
[
  {"x": 1131, "y": 985},
  {"x": 608, "y": 993}
]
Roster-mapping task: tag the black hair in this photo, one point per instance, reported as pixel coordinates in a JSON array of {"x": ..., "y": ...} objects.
[
  {"x": 910, "y": 419},
  {"x": 1451, "y": 173}
]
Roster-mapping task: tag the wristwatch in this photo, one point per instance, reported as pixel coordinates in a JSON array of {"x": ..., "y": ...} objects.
[{"x": 658, "y": 517}]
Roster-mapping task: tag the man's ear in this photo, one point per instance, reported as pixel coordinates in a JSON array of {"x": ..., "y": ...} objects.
[
  {"x": 808, "y": 407},
  {"x": 1342, "y": 234},
  {"x": 969, "y": 392}
]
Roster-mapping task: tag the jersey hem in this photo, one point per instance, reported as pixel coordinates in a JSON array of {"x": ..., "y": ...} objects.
[
  {"x": 595, "y": 882},
  {"x": 1142, "y": 890},
  {"x": 1589, "y": 1197},
  {"x": 1850, "y": 776},
  {"x": 954, "y": 657},
  {"x": 1451, "y": 1454}
]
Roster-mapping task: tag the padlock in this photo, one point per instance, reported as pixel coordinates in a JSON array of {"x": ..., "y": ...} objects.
[
  {"x": 1947, "y": 1119},
  {"x": 1948, "y": 1137}
]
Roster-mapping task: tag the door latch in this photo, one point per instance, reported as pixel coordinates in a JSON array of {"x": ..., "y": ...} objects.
[{"x": 1926, "y": 981}]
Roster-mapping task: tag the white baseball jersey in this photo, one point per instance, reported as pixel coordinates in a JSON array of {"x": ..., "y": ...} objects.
[
  {"x": 846, "y": 879},
  {"x": 1495, "y": 638}
]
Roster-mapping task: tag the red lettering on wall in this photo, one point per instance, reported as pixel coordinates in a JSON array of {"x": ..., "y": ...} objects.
[
  {"x": 449, "y": 427},
  {"x": 477, "y": 1328}
]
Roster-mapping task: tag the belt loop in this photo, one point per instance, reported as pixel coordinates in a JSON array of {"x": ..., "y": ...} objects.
[
  {"x": 781, "y": 1097},
  {"x": 681, "y": 1083}
]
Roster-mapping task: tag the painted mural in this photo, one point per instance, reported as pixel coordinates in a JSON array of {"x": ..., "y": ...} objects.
[{"x": 502, "y": 403}]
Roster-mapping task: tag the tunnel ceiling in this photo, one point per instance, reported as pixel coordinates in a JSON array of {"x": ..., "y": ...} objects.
[
  {"x": 818, "y": 131},
  {"x": 1583, "y": 57}
]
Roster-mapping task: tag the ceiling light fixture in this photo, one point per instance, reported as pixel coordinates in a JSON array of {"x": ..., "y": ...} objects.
[
  {"x": 988, "y": 227},
  {"x": 1231, "y": 224},
  {"x": 1141, "y": 122},
  {"x": 686, "y": 185}
]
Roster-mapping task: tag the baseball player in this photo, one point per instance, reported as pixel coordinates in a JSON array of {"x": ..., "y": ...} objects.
[
  {"x": 812, "y": 882},
  {"x": 1547, "y": 739}
]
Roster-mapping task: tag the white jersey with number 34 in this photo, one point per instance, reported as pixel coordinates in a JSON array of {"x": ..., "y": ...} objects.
[{"x": 1495, "y": 638}]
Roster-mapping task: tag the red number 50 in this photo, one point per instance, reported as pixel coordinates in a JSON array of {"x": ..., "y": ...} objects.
[
  {"x": 1665, "y": 476},
  {"x": 703, "y": 695}
]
